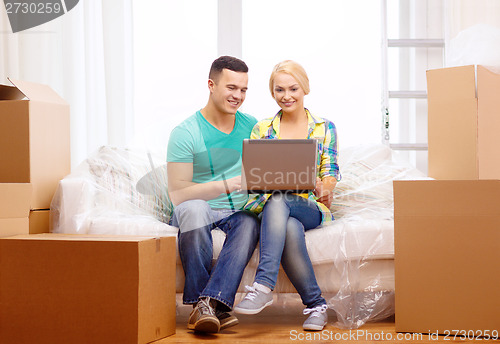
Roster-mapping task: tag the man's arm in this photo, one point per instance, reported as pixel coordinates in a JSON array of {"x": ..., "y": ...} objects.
[{"x": 181, "y": 187}]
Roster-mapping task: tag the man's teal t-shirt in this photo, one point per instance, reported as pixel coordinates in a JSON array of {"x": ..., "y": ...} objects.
[{"x": 214, "y": 154}]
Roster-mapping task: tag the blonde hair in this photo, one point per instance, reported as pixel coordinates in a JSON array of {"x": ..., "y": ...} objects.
[{"x": 295, "y": 70}]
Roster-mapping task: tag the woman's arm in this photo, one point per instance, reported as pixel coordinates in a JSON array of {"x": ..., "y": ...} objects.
[
  {"x": 329, "y": 169},
  {"x": 324, "y": 190}
]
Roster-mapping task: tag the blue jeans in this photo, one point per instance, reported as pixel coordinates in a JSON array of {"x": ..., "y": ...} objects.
[
  {"x": 285, "y": 219},
  {"x": 196, "y": 220}
]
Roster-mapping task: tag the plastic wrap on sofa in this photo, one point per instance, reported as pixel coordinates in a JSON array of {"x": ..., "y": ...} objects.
[{"x": 124, "y": 191}]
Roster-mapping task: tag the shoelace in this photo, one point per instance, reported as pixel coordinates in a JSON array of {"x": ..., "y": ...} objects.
[
  {"x": 252, "y": 292},
  {"x": 316, "y": 311},
  {"x": 204, "y": 307}
]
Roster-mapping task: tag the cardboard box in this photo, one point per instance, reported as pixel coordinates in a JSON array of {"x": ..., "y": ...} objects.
[
  {"x": 447, "y": 256},
  {"x": 464, "y": 122},
  {"x": 16, "y": 226},
  {"x": 14, "y": 208},
  {"x": 57, "y": 288},
  {"x": 34, "y": 139},
  {"x": 39, "y": 221}
]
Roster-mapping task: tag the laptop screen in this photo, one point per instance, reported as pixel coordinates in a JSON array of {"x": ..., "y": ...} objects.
[{"x": 287, "y": 165}]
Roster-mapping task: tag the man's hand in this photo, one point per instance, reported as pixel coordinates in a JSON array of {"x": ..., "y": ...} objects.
[{"x": 232, "y": 184}]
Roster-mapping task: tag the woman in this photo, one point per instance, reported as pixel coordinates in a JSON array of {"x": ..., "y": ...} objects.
[{"x": 285, "y": 217}]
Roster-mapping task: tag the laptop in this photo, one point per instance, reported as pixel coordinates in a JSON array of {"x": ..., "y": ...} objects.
[{"x": 284, "y": 165}]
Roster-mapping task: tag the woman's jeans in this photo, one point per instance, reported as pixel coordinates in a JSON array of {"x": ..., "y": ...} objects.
[
  {"x": 285, "y": 219},
  {"x": 196, "y": 220}
]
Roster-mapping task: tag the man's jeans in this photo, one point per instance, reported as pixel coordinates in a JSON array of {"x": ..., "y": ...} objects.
[
  {"x": 285, "y": 219},
  {"x": 196, "y": 220}
]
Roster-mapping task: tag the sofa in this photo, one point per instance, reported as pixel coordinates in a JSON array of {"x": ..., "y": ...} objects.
[{"x": 119, "y": 191}]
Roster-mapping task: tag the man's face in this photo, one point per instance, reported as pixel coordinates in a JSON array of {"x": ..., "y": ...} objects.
[{"x": 229, "y": 91}]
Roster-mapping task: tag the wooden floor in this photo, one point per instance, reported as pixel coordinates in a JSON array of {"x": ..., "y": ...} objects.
[{"x": 278, "y": 325}]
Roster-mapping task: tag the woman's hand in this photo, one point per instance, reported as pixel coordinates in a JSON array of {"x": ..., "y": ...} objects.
[
  {"x": 318, "y": 191},
  {"x": 326, "y": 200},
  {"x": 324, "y": 190}
]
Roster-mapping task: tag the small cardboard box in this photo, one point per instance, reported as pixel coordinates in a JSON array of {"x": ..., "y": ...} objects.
[
  {"x": 464, "y": 122},
  {"x": 34, "y": 139},
  {"x": 447, "y": 256},
  {"x": 14, "y": 208},
  {"x": 57, "y": 288},
  {"x": 39, "y": 221}
]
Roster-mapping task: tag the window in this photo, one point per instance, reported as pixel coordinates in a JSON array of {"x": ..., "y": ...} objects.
[
  {"x": 337, "y": 42},
  {"x": 175, "y": 43}
]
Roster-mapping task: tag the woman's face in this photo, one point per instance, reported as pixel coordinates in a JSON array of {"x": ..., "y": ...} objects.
[{"x": 288, "y": 93}]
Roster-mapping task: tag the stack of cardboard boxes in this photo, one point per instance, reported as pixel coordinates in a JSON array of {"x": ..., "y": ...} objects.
[
  {"x": 447, "y": 230},
  {"x": 34, "y": 155},
  {"x": 57, "y": 288}
]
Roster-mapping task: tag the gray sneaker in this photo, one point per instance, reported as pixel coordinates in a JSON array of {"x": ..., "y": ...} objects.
[
  {"x": 317, "y": 318},
  {"x": 254, "y": 301}
]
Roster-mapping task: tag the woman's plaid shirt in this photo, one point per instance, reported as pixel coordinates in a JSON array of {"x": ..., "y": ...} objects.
[{"x": 319, "y": 128}]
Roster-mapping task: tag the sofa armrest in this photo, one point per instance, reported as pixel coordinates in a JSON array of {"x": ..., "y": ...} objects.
[{"x": 71, "y": 205}]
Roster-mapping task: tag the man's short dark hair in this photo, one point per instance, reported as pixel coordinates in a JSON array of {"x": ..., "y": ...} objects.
[{"x": 226, "y": 62}]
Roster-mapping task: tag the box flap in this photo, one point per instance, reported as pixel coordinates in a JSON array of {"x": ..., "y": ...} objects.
[
  {"x": 15, "y": 200},
  {"x": 37, "y": 92},
  {"x": 449, "y": 84},
  {"x": 442, "y": 198},
  {"x": 10, "y": 93}
]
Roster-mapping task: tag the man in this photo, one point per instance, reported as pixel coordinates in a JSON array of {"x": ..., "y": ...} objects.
[{"x": 204, "y": 167}]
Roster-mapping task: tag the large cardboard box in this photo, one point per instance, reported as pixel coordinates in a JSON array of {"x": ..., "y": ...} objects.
[
  {"x": 14, "y": 208},
  {"x": 57, "y": 288},
  {"x": 34, "y": 139},
  {"x": 464, "y": 122},
  {"x": 447, "y": 256}
]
